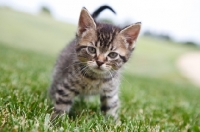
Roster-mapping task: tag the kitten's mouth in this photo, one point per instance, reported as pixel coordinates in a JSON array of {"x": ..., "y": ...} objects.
[{"x": 98, "y": 70}]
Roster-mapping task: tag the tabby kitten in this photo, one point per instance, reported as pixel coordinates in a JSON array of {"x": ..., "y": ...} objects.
[{"x": 91, "y": 63}]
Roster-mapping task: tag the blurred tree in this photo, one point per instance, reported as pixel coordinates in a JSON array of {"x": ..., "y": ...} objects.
[
  {"x": 45, "y": 10},
  {"x": 190, "y": 43},
  {"x": 148, "y": 33},
  {"x": 164, "y": 36}
]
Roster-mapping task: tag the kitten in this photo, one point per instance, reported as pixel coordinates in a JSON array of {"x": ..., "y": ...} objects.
[{"x": 91, "y": 63}]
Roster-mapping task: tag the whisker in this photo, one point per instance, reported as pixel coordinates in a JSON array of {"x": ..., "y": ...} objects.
[
  {"x": 110, "y": 74},
  {"x": 73, "y": 64},
  {"x": 123, "y": 78},
  {"x": 83, "y": 69}
]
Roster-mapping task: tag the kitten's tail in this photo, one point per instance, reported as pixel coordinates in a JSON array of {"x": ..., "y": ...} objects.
[{"x": 100, "y": 9}]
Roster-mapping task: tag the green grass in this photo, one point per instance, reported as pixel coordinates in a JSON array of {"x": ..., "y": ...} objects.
[{"x": 154, "y": 95}]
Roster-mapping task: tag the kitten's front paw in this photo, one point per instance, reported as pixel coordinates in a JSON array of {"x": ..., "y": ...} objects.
[{"x": 57, "y": 114}]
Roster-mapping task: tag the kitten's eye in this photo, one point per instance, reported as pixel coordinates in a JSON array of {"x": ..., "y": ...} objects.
[
  {"x": 92, "y": 50},
  {"x": 112, "y": 54}
]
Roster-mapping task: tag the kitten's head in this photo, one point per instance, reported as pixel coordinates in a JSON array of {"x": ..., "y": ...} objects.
[{"x": 104, "y": 47}]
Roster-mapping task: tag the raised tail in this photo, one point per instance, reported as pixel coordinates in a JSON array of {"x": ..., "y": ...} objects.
[{"x": 100, "y": 9}]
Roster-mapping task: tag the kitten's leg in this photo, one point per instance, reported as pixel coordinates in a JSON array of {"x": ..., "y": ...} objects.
[
  {"x": 63, "y": 99},
  {"x": 110, "y": 102}
]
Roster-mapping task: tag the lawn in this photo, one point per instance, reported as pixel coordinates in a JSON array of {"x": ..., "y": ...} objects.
[{"x": 154, "y": 95}]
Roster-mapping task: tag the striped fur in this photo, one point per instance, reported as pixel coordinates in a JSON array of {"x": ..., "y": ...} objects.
[{"x": 91, "y": 64}]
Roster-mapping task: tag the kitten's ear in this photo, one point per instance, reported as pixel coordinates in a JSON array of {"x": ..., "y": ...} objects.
[
  {"x": 85, "y": 22},
  {"x": 131, "y": 33}
]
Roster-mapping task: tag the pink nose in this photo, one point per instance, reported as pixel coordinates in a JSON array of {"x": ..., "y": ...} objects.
[{"x": 99, "y": 63}]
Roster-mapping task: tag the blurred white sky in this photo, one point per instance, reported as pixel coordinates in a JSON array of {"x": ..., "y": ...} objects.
[{"x": 180, "y": 18}]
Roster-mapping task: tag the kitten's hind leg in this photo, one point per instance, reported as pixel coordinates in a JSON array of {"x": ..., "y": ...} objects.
[{"x": 63, "y": 99}]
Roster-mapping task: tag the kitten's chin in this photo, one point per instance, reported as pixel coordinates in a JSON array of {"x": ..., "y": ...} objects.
[{"x": 98, "y": 70}]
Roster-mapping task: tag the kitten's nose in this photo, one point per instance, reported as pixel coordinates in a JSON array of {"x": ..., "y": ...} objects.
[{"x": 99, "y": 63}]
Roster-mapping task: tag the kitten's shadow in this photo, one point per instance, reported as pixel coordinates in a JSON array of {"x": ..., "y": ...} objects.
[
  {"x": 84, "y": 105},
  {"x": 83, "y": 108}
]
